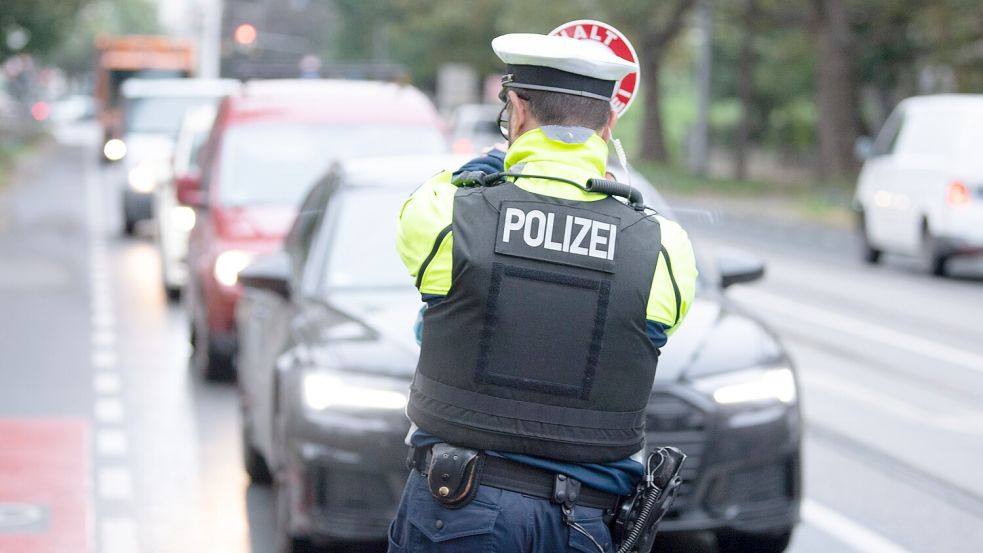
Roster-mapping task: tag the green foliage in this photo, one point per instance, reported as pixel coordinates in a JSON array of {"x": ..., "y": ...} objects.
[
  {"x": 103, "y": 17},
  {"x": 891, "y": 43},
  {"x": 670, "y": 180},
  {"x": 425, "y": 34},
  {"x": 45, "y": 21}
]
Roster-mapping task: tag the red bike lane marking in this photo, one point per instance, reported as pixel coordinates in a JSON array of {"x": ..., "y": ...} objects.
[{"x": 44, "y": 486}]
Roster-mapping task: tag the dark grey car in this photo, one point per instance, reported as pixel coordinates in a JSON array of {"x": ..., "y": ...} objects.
[{"x": 328, "y": 352}]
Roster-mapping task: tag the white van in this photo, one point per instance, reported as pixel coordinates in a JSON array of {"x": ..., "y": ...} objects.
[
  {"x": 152, "y": 116},
  {"x": 921, "y": 188}
]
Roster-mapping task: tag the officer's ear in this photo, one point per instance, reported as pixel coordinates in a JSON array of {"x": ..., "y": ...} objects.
[
  {"x": 521, "y": 119},
  {"x": 608, "y": 129}
]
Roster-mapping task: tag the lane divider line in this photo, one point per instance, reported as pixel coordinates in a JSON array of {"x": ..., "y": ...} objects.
[
  {"x": 114, "y": 483},
  {"x": 859, "y": 538},
  {"x": 107, "y": 383},
  {"x": 964, "y": 422},
  {"x": 118, "y": 535},
  {"x": 860, "y": 329},
  {"x": 103, "y": 319},
  {"x": 111, "y": 443},
  {"x": 109, "y": 410},
  {"x": 102, "y": 338},
  {"x": 104, "y": 359}
]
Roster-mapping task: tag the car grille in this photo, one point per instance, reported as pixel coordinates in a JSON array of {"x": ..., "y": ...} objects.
[
  {"x": 759, "y": 490},
  {"x": 352, "y": 504},
  {"x": 672, "y": 421}
]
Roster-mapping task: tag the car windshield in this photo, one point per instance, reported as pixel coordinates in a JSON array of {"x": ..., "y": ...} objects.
[
  {"x": 366, "y": 222},
  {"x": 160, "y": 115},
  {"x": 277, "y": 164}
]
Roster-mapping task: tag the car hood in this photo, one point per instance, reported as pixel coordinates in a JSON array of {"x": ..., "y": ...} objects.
[
  {"x": 141, "y": 146},
  {"x": 267, "y": 222},
  {"x": 377, "y": 329}
]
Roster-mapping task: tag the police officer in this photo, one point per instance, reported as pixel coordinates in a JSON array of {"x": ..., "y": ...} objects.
[{"x": 546, "y": 307}]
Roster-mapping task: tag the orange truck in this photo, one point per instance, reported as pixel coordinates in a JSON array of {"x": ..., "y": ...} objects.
[{"x": 122, "y": 57}]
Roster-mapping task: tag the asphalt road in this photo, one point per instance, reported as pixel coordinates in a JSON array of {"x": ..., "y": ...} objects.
[{"x": 107, "y": 439}]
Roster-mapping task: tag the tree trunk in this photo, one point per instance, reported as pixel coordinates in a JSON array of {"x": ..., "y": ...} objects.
[
  {"x": 837, "y": 127},
  {"x": 745, "y": 90},
  {"x": 653, "y": 135}
]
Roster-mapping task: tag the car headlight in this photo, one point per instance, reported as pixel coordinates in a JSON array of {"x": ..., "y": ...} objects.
[
  {"x": 322, "y": 391},
  {"x": 228, "y": 264},
  {"x": 114, "y": 149},
  {"x": 142, "y": 178},
  {"x": 753, "y": 385},
  {"x": 183, "y": 218}
]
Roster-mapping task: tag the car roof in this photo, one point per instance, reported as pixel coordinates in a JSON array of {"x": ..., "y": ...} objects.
[
  {"x": 944, "y": 101},
  {"x": 396, "y": 172},
  {"x": 141, "y": 88},
  {"x": 408, "y": 172},
  {"x": 200, "y": 118},
  {"x": 330, "y": 99}
]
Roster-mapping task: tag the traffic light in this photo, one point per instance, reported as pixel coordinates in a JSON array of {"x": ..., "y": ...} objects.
[{"x": 245, "y": 34}]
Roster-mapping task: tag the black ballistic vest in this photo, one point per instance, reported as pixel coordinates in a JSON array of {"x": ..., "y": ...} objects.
[{"x": 540, "y": 347}]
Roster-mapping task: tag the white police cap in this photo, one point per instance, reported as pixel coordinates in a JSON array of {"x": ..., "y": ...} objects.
[{"x": 560, "y": 64}]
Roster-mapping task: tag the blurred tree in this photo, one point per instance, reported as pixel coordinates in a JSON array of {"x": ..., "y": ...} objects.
[
  {"x": 745, "y": 86},
  {"x": 35, "y": 26},
  {"x": 109, "y": 17},
  {"x": 887, "y": 60},
  {"x": 363, "y": 35},
  {"x": 836, "y": 85},
  {"x": 652, "y": 27},
  {"x": 949, "y": 34},
  {"x": 424, "y": 34},
  {"x": 430, "y": 33}
]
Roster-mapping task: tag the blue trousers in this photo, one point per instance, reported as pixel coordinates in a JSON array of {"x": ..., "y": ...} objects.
[{"x": 496, "y": 521}]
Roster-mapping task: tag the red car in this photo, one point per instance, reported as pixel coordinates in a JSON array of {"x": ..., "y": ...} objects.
[{"x": 270, "y": 143}]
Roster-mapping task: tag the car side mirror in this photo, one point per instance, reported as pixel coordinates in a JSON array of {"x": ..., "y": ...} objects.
[
  {"x": 189, "y": 190},
  {"x": 737, "y": 267},
  {"x": 268, "y": 272},
  {"x": 863, "y": 148}
]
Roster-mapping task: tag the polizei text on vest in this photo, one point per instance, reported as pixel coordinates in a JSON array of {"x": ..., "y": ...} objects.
[{"x": 568, "y": 233}]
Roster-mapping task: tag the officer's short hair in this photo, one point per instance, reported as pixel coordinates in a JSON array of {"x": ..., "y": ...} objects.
[{"x": 555, "y": 108}]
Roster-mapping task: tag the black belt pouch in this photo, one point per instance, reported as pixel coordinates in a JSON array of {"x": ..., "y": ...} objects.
[{"x": 453, "y": 474}]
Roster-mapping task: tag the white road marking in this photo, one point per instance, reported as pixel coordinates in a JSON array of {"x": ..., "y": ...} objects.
[
  {"x": 859, "y": 538},
  {"x": 109, "y": 410},
  {"x": 115, "y": 483},
  {"x": 106, "y": 383},
  {"x": 869, "y": 331},
  {"x": 103, "y": 319},
  {"x": 118, "y": 535},
  {"x": 104, "y": 359},
  {"x": 111, "y": 443},
  {"x": 102, "y": 315},
  {"x": 102, "y": 338},
  {"x": 102, "y": 292},
  {"x": 966, "y": 422},
  {"x": 101, "y": 300}
]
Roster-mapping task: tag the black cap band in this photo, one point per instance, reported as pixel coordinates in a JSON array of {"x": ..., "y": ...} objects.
[{"x": 536, "y": 77}]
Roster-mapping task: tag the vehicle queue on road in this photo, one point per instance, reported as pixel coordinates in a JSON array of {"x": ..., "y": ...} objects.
[{"x": 294, "y": 286}]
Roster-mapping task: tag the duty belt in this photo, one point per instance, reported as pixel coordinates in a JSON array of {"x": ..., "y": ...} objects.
[{"x": 505, "y": 474}]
